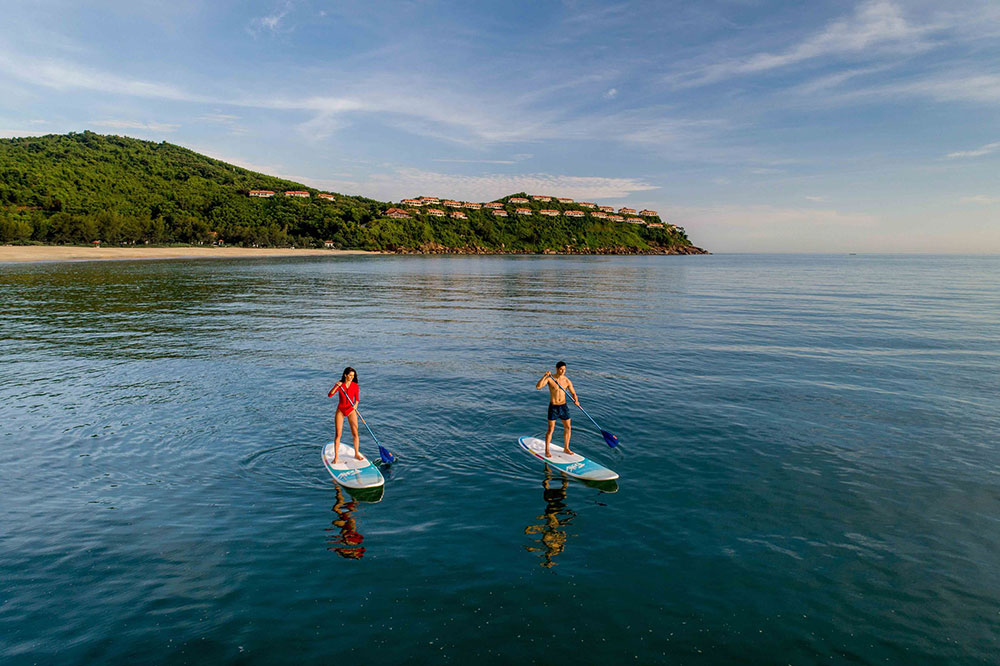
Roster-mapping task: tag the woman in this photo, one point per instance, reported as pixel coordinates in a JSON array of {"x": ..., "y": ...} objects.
[{"x": 347, "y": 389}]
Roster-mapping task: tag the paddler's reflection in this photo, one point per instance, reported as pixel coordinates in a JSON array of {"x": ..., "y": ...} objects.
[
  {"x": 552, "y": 537},
  {"x": 347, "y": 543}
]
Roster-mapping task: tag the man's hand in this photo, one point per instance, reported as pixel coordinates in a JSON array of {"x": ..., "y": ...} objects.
[{"x": 547, "y": 374}]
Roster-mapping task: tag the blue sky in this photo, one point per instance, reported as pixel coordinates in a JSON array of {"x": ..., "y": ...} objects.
[{"x": 759, "y": 126}]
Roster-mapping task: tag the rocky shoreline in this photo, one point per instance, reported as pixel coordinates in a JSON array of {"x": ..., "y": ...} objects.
[{"x": 435, "y": 248}]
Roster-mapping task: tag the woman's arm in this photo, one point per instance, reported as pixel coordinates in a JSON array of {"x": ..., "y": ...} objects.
[{"x": 333, "y": 390}]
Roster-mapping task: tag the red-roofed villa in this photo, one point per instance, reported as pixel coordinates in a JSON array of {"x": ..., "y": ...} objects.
[
  {"x": 573, "y": 213},
  {"x": 262, "y": 193},
  {"x": 607, "y": 209},
  {"x": 302, "y": 194},
  {"x": 523, "y": 211},
  {"x": 627, "y": 211},
  {"x": 397, "y": 214},
  {"x": 649, "y": 213}
]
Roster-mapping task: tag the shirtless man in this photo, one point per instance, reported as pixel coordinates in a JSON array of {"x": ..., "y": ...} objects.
[{"x": 558, "y": 385}]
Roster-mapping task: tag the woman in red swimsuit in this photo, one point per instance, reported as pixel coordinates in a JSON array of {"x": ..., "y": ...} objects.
[{"x": 346, "y": 388}]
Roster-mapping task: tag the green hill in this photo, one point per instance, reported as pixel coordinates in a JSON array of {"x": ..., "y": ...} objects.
[{"x": 80, "y": 187}]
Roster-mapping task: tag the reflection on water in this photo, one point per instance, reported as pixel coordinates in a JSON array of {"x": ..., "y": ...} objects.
[
  {"x": 552, "y": 536},
  {"x": 346, "y": 542}
]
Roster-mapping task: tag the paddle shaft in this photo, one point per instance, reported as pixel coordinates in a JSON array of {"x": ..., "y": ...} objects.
[
  {"x": 341, "y": 388},
  {"x": 576, "y": 401}
]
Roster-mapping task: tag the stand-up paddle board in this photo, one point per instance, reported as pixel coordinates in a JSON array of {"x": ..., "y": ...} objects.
[
  {"x": 349, "y": 471},
  {"x": 572, "y": 464}
]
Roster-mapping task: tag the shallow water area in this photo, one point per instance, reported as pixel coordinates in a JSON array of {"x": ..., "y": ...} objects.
[{"x": 808, "y": 461}]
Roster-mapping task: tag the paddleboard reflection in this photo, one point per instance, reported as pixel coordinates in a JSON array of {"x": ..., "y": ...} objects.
[
  {"x": 551, "y": 532},
  {"x": 344, "y": 538}
]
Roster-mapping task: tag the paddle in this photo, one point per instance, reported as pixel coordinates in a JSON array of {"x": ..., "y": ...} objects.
[
  {"x": 609, "y": 439},
  {"x": 383, "y": 452}
]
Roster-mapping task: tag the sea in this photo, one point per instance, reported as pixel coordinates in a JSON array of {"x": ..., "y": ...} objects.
[{"x": 809, "y": 461}]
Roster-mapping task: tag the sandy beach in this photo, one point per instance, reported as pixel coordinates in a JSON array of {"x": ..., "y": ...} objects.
[{"x": 22, "y": 253}]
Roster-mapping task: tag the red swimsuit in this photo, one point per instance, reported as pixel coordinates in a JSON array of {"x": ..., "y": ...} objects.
[{"x": 345, "y": 405}]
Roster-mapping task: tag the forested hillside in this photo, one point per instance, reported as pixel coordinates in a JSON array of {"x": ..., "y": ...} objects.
[{"x": 81, "y": 187}]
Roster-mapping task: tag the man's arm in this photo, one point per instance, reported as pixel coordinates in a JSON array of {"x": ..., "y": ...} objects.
[
  {"x": 572, "y": 390},
  {"x": 543, "y": 381}
]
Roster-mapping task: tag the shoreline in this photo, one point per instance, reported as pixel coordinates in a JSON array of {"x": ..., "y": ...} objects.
[
  {"x": 77, "y": 253},
  {"x": 43, "y": 253}
]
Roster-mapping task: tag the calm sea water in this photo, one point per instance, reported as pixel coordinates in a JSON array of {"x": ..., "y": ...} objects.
[{"x": 809, "y": 461}]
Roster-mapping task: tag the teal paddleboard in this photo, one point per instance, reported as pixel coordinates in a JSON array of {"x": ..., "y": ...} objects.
[
  {"x": 349, "y": 471},
  {"x": 572, "y": 464}
]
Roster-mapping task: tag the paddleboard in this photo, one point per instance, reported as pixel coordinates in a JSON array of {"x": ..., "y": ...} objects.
[
  {"x": 572, "y": 464},
  {"x": 349, "y": 471}
]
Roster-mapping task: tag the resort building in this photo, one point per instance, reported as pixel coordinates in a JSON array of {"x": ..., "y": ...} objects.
[
  {"x": 517, "y": 200},
  {"x": 599, "y": 215},
  {"x": 327, "y": 244},
  {"x": 436, "y": 212},
  {"x": 626, "y": 211},
  {"x": 325, "y": 197},
  {"x": 574, "y": 213},
  {"x": 473, "y": 206},
  {"x": 616, "y": 218},
  {"x": 499, "y": 212},
  {"x": 587, "y": 204},
  {"x": 261, "y": 193},
  {"x": 452, "y": 204},
  {"x": 397, "y": 214},
  {"x": 430, "y": 200},
  {"x": 457, "y": 214},
  {"x": 297, "y": 193},
  {"x": 649, "y": 213},
  {"x": 635, "y": 220},
  {"x": 495, "y": 205},
  {"x": 540, "y": 197},
  {"x": 523, "y": 211},
  {"x": 564, "y": 200},
  {"x": 412, "y": 202},
  {"x": 655, "y": 225},
  {"x": 549, "y": 212},
  {"x": 607, "y": 209}
]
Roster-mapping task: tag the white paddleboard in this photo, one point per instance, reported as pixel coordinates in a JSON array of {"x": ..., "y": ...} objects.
[
  {"x": 572, "y": 464},
  {"x": 349, "y": 471}
]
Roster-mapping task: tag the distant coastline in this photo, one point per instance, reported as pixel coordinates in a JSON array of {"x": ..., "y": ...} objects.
[
  {"x": 37, "y": 253},
  {"x": 43, "y": 253}
]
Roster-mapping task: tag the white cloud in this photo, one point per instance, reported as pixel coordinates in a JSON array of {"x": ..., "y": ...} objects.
[
  {"x": 978, "y": 152},
  {"x": 271, "y": 22},
  {"x": 16, "y": 133},
  {"x": 611, "y": 94},
  {"x": 877, "y": 25},
  {"x": 981, "y": 199},
  {"x": 410, "y": 182},
  {"x": 135, "y": 124},
  {"x": 816, "y": 199}
]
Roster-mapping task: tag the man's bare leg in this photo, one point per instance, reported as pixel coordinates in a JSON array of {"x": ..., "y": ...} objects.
[
  {"x": 548, "y": 437},
  {"x": 566, "y": 434}
]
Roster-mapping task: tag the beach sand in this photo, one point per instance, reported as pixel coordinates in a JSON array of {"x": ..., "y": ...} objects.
[{"x": 20, "y": 253}]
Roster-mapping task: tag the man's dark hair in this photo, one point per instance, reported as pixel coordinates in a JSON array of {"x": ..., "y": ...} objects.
[{"x": 560, "y": 364}]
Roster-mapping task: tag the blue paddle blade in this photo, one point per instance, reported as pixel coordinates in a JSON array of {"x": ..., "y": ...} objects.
[
  {"x": 610, "y": 439},
  {"x": 386, "y": 455}
]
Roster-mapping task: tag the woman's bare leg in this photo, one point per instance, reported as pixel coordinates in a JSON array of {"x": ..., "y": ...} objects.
[
  {"x": 353, "y": 420},
  {"x": 339, "y": 422}
]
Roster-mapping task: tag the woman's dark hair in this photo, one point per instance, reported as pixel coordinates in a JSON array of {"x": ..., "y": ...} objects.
[{"x": 348, "y": 369}]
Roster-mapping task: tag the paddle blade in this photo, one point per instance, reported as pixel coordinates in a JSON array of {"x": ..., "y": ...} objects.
[
  {"x": 386, "y": 455},
  {"x": 610, "y": 439}
]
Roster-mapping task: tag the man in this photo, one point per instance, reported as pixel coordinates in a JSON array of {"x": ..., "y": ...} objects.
[{"x": 558, "y": 385}]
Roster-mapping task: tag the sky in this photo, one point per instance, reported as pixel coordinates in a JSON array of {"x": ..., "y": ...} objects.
[{"x": 869, "y": 126}]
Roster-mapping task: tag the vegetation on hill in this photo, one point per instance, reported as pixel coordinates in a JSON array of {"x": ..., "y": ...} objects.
[{"x": 81, "y": 187}]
